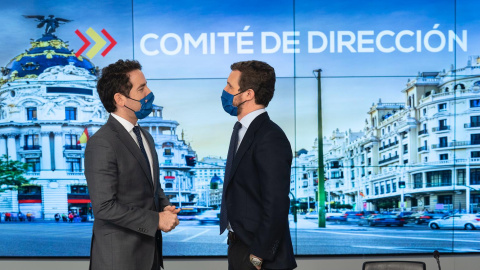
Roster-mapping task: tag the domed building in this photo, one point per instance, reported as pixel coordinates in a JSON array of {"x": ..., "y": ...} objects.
[{"x": 48, "y": 99}]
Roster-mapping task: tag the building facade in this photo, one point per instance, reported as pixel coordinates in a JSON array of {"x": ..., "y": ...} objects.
[
  {"x": 48, "y": 98},
  {"x": 423, "y": 154}
]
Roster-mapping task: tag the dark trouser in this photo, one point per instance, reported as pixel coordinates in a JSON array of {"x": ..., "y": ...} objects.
[{"x": 239, "y": 254}]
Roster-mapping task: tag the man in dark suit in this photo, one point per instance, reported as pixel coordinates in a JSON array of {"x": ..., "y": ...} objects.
[
  {"x": 122, "y": 172},
  {"x": 255, "y": 202}
]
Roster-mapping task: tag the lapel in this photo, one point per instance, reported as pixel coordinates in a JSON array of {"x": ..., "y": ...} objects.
[
  {"x": 153, "y": 151},
  {"x": 128, "y": 141},
  {"x": 245, "y": 144}
]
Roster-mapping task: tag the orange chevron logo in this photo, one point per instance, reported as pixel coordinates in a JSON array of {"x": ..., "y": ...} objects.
[{"x": 99, "y": 43}]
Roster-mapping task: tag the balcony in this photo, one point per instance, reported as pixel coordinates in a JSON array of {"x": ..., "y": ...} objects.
[
  {"x": 458, "y": 144},
  {"x": 73, "y": 147},
  {"x": 423, "y": 132},
  {"x": 472, "y": 125},
  {"x": 388, "y": 145},
  {"x": 440, "y": 128},
  {"x": 441, "y": 184},
  {"x": 31, "y": 147},
  {"x": 423, "y": 148},
  {"x": 388, "y": 159}
]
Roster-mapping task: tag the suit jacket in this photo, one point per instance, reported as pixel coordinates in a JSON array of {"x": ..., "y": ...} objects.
[
  {"x": 257, "y": 193},
  {"x": 125, "y": 201}
]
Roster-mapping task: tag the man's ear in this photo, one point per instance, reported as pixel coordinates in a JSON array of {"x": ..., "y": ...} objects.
[
  {"x": 119, "y": 99},
  {"x": 250, "y": 94}
]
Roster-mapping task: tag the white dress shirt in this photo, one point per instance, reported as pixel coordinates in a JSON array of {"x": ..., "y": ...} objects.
[{"x": 129, "y": 127}]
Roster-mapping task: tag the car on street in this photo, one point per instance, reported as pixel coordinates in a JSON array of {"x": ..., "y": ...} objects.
[
  {"x": 382, "y": 220},
  {"x": 311, "y": 215},
  {"x": 209, "y": 216},
  {"x": 458, "y": 221},
  {"x": 335, "y": 217},
  {"x": 353, "y": 215},
  {"x": 426, "y": 217}
]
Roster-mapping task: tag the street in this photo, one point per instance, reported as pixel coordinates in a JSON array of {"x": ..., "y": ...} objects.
[{"x": 190, "y": 239}]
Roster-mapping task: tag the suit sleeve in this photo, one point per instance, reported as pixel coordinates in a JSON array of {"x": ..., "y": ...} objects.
[
  {"x": 102, "y": 179},
  {"x": 274, "y": 159}
]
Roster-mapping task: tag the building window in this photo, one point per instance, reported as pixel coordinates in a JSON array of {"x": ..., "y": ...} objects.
[
  {"x": 461, "y": 177},
  {"x": 443, "y": 142},
  {"x": 475, "y": 138},
  {"x": 74, "y": 165},
  {"x": 424, "y": 111},
  {"x": 376, "y": 190},
  {"x": 474, "y": 121},
  {"x": 475, "y": 154},
  {"x": 70, "y": 113},
  {"x": 167, "y": 152},
  {"x": 444, "y": 199},
  {"x": 305, "y": 184},
  {"x": 32, "y": 113},
  {"x": 79, "y": 189},
  {"x": 442, "y": 107},
  {"x": 33, "y": 164},
  {"x": 388, "y": 188},
  {"x": 443, "y": 156},
  {"x": 394, "y": 186},
  {"x": 31, "y": 142},
  {"x": 382, "y": 189},
  {"x": 417, "y": 181},
  {"x": 439, "y": 178},
  {"x": 426, "y": 200},
  {"x": 474, "y": 176},
  {"x": 71, "y": 142},
  {"x": 169, "y": 161},
  {"x": 475, "y": 198},
  {"x": 405, "y": 148},
  {"x": 383, "y": 131},
  {"x": 474, "y": 103},
  {"x": 460, "y": 85},
  {"x": 367, "y": 190},
  {"x": 170, "y": 185},
  {"x": 442, "y": 124}
]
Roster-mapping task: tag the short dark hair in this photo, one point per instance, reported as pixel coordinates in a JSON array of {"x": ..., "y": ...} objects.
[
  {"x": 258, "y": 76},
  {"x": 114, "y": 79}
]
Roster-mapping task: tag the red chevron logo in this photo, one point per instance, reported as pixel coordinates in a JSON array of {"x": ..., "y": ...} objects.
[
  {"x": 99, "y": 43},
  {"x": 85, "y": 41}
]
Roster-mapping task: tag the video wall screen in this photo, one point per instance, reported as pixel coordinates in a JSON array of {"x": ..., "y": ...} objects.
[{"x": 399, "y": 145}]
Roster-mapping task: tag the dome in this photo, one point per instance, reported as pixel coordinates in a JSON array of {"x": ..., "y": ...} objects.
[
  {"x": 45, "y": 52},
  {"x": 215, "y": 182}
]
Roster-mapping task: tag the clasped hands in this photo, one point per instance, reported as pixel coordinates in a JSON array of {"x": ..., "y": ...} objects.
[{"x": 168, "y": 219}]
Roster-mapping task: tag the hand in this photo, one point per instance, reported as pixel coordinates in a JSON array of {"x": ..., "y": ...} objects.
[
  {"x": 253, "y": 256},
  {"x": 171, "y": 208},
  {"x": 168, "y": 219}
]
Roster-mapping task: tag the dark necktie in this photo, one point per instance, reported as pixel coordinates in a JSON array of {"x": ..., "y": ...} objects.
[
  {"x": 232, "y": 149},
  {"x": 136, "y": 130}
]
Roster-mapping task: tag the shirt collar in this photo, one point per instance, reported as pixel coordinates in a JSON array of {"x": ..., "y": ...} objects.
[
  {"x": 125, "y": 123},
  {"x": 248, "y": 119}
]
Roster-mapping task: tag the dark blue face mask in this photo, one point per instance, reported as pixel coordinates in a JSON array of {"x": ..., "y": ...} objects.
[
  {"x": 147, "y": 106},
  {"x": 227, "y": 103}
]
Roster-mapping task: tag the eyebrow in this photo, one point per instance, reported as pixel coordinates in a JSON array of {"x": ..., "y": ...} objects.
[
  {"x": 229, "y": 84},
  {"x": 142, "y": 85}
]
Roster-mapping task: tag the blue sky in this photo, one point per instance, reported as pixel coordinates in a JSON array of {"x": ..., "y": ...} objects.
[{"x": 195, "y": 103}]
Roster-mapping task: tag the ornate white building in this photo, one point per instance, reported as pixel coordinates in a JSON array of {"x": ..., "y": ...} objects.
[
  {"x": 209, "y": 175},
  {"x": 431, "y": 142},
  {"x": 47, "y": 98}
]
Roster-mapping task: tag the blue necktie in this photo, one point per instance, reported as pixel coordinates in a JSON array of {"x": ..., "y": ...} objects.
[
  {"x": 136, "y": 130},
  {"x": 232, "y": 149}
]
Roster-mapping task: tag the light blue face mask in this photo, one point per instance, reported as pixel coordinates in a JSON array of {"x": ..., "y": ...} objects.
[
  {"x": 227, "y": 103},
  {"x": 147, "y": 106}
]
